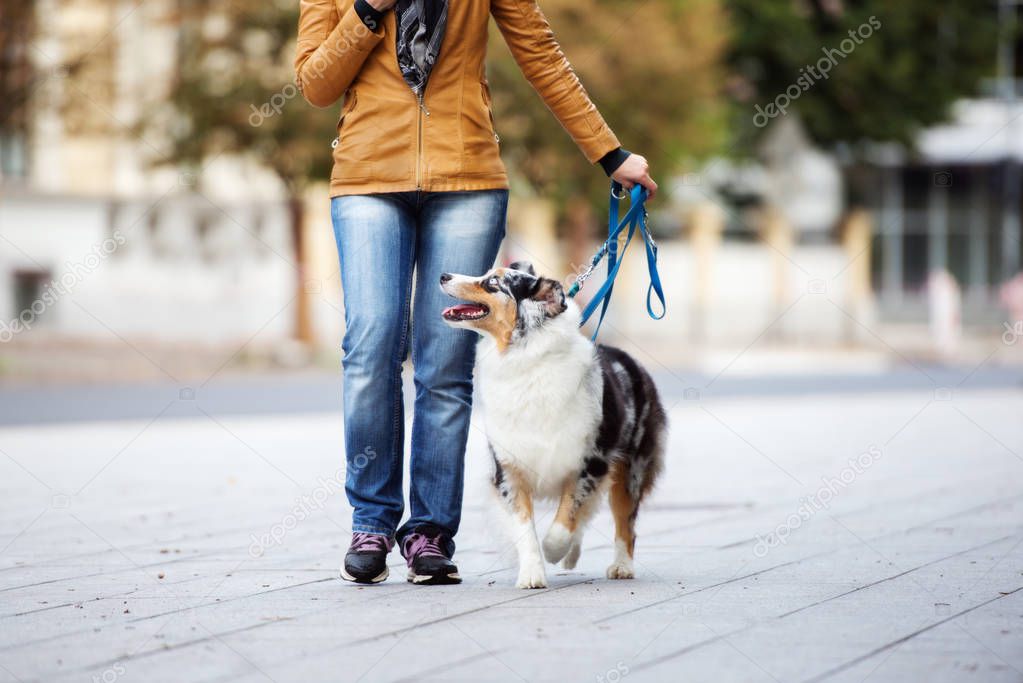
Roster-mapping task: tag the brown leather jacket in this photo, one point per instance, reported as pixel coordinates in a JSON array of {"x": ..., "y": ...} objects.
[{"x": 390, "y": 142}]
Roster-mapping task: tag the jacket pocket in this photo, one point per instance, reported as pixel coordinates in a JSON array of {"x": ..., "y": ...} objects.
[
  {"x": 481, "y": 155},
  {"x": 376, "y": 140}
]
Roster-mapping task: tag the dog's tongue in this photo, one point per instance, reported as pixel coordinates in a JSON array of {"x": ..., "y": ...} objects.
[{"x": 463, "y": 309}]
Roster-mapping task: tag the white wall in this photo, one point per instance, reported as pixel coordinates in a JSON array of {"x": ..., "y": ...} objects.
[
  {"x": 183, "y": 269},
  {"x": 178, "y": 269},
  {"x": 742, "y": 305}
]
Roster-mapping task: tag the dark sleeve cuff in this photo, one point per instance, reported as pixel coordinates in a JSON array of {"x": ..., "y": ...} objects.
[
  {"x": 372, "y": 18},
  {"x": 612, "y": 160}
]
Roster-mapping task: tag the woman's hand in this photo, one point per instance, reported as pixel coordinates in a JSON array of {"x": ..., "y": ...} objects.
[
  {"x": 635, "y": 170},
  {"x": 381, "y": 5}
]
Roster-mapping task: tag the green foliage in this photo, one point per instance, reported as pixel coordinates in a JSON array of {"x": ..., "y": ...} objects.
[
  {"x": 235, "y": 91},
  {"x": 904, "y": 76},
  {"x": 656, "y": 70},
  {"x": 653, "y": 68}
]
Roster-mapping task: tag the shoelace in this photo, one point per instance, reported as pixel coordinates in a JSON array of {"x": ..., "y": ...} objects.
[
  {"x": 370, "y": 542},
  {"x": 421, "y": 545}
]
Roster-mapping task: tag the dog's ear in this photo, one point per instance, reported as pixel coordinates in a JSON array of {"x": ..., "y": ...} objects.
[
  {"x": 524, "y": 266},
  {"x": 552, "y": 295},
  {"x": 522, "y": 285}
]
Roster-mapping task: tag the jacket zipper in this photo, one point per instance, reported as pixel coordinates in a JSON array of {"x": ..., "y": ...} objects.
[
  {"x": 419, "y": 138},
  {"x": 346, "y": 109},
  {"x": 490, "y": 110}
]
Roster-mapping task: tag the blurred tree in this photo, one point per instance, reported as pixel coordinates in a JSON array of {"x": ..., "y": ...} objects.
[
  {"x": 17, "y": 79},
  {"x": 25, "y": 70},
  {"x": 654, "y": 70},
  {"x": 17, "y": 25},
  {"x": 892, "y": 67},
  {"x": 235, "y": 94}
]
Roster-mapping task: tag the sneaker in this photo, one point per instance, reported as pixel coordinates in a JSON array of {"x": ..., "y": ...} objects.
[
  {"x": 428, "y": 562},
  {"x": 366, "y": 560}
]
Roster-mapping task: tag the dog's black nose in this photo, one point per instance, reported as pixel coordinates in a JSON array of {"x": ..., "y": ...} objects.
[{"x": 445, "y": 277}]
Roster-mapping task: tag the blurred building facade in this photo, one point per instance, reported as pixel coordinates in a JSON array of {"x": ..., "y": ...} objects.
[
  {"x": 955, "y": 207},
  {"x": 111, "y": 243},
  {"x": 214, "y": 263}
]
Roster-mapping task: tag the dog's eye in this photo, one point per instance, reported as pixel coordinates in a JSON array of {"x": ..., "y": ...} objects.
[{"x": 492, "y": 284}]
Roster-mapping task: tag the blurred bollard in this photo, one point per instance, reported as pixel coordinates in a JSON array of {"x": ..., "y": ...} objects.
[
  {"x": 303, "y": 332},
  {"x": 945, "y": 303},
  {"x": 532, "y": 237},
  {"x": 581, "y": 225},
  {"x": 777, "y": 232},
  {"x": 321, "y": 285},
  {"x": 706, "y": 222},
  {"x": 857, "y": 233}
]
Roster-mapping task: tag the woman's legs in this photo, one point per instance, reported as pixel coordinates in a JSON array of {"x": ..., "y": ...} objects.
[
  {"x": 458, "y": 232},
  {"x": 376, "y": 240}
]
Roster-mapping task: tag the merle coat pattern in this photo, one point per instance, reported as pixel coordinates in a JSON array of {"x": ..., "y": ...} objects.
[{"x": 565, "y": 419}]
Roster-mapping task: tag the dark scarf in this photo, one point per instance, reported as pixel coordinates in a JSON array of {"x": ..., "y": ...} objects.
[{"x": 421, "y": 26}]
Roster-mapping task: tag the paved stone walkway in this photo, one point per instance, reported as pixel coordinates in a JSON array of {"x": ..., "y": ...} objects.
[{"x": 205, "y": 549}]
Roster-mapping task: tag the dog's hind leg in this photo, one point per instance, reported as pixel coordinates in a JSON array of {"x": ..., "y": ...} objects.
[
  {"x": 631, "y": 480},
  {"x": 577, "y": 505},
  {"x": 624, "y": 507},
  {"x": 516, "y": 500}
]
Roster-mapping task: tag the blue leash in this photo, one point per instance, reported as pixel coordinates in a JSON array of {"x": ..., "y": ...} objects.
[{"x": 634, "y": 218}]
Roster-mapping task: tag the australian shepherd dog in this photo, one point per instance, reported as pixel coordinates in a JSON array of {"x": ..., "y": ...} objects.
[{"x": 565, "y": 419}]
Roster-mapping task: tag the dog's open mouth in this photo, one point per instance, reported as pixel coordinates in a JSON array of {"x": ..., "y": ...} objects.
[{"x": 466, "y": 312}]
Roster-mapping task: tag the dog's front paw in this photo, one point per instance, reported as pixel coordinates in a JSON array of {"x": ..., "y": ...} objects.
[
  {"x": 532, "y": 575},
  {"x": 556, "y": 543},
  {"x": 620, "y": 569}
]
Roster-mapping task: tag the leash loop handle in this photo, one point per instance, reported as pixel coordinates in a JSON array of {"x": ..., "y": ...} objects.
[{"x": 634, "y": 219}]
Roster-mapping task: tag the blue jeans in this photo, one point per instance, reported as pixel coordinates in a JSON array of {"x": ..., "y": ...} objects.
[{"x": 381, "y": 238}]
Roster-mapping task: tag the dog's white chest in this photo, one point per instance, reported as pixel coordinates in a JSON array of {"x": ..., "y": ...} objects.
[{"x": 542, "y": 413}]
